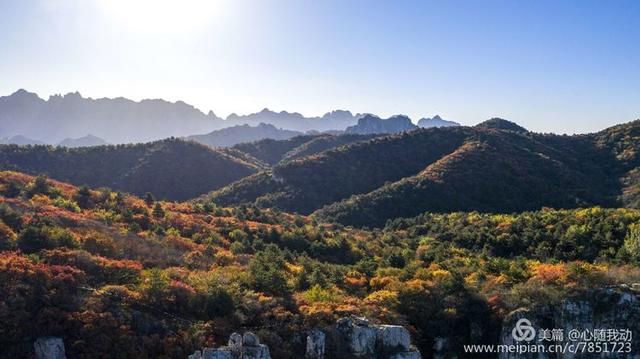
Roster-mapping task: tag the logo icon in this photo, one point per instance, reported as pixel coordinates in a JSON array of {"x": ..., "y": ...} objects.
[{"x": 523, "y": 331}]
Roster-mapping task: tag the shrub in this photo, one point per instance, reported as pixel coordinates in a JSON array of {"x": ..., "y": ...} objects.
[{"x": 35, "y": 238}]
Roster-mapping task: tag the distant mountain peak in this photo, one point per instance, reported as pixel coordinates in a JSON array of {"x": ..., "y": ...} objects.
[
  {"x": 436, "y": 121},
  {"x": 371, "y": 124}
]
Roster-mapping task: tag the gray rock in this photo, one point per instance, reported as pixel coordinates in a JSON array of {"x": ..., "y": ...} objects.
[
  {"x": 235, "y": 345},
  {"x": 49, "y": 348},
  {"x": 358, "y": 338},
  {"x": 211, "y": 353},
  {"x": 393, "y": 338},
  {"x": 259, "y": 351},
  {"x": 315, "y": 345},
  {"x": 250, "y": 340},
  {"x": 196, "y": 355}
]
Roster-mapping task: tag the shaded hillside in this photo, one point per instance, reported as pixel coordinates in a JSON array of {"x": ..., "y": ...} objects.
[
  {"x": 497, "y": 166},
  {"x": 171, "y": 169},
  {"x": 308, "y": 183},
  {"x": 501, "y": 124},
  {"x": 323, "y": 143},
  {"x": 272, "y": 151},
  {"x": 492, "y": 172},
  {"x": 242, "y": 133}
]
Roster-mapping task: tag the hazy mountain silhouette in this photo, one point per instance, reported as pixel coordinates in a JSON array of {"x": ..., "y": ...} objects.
[
  {"x": 120, "y": 120},
  {"x": 117, "y": 120},
  {"x": 334, "y": 120},
  {"x": 84, "y": 141},
  {"x": 19, "y": 140},
  {"x": 436, "y": 121},
  {"x": 243, "y": 133},
  {"x": 371, "y": 124}
]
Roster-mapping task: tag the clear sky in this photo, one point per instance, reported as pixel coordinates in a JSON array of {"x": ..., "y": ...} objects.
[{"x": 552, "y": 66}]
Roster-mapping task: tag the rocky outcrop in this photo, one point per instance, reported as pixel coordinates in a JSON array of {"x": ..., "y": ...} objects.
[
  {"x": 370, "y": 124},
  {"x": 245, "y": 346},
  {"x": 355, "y": 337},
  {"x": 351, "y": 337},
  {"x": 49, "y": 348},
  {"x": 315, "y": 344},
  {"x": 616, "y": 308}
]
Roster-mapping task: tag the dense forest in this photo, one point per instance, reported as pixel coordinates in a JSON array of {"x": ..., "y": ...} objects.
[{"x": 124, "y": 276}]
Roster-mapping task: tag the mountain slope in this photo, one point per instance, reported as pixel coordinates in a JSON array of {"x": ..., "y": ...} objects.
[
  {"x": 497, "y": 166},
  {"x": 308, "y": 183},
  {"x": 492, "y": 172},
  {"x": 230, "y": 136},
  {"x": 171, "y": 169}
]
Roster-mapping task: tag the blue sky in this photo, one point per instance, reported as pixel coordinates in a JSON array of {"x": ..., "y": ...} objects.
[{"x": 552, "y": 66}]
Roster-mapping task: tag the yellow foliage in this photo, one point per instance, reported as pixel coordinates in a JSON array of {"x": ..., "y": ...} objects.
[{"x": 385, "y": 298}]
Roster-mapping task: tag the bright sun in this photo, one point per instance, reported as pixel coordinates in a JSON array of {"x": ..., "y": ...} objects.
[{"x": 158, "y": 16}]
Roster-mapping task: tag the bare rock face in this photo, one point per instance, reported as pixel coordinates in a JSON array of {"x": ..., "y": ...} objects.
[
  {"x": 393, "y": 338},
  {"x": 245, "y": 346},
  {"x": 315, "y": 345},
  {"x": 49, "y": 348},
  {"x": 260, "y": 351},
  {"x": 210, "y": 353},
  {"x": 350, "y": 338},
  {"x": 607, "y": 308},
  {"x": 250, "y": 340},
  {"x": 235, "y": 345},
  {"x": 356, "y": 337}
]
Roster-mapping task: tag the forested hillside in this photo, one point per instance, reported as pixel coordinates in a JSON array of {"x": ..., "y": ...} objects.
[
  {"x": 496, "y": 166},
  {"x": 120, "y": 276},
  {"x": 273, "y": 151},
  {"x": 171, "y": 169}
]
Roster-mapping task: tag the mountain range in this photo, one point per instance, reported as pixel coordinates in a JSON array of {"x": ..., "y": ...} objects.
[
  {"x": 242, "y": 133},
  {"x": 25, "y": 118}
]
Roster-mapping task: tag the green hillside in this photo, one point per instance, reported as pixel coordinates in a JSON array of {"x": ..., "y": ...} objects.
[{"x": 171, "y": 169}]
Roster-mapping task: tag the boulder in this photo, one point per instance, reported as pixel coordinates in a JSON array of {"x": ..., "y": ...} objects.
[
  {"x": 259, "y": 351},
  {"x": 49, "y": 348},
  {"x": 393, "y": 338},
  {"x": 235, "y": 345},
  {"x": 250, "y": 340},
  {"x": 315, "y": 345},
  {"x": 211, "y": 353},
  {"x": 357, "y": 337}
]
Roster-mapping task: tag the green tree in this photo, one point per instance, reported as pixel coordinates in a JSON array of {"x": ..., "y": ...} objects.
[
  {"x": 83, "y": 197},
  {"x": 12, "y": 190},
  {"x": 149, "y": 199},
  {"x": 267, "y": 271},
  {"x": 632, "y": 241},
  {"x": 158, "y": 212},
  {"x": 39, "y": 186}
]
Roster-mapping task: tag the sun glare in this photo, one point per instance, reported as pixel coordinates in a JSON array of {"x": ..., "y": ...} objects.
[{"x": 158, "y": 16}]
